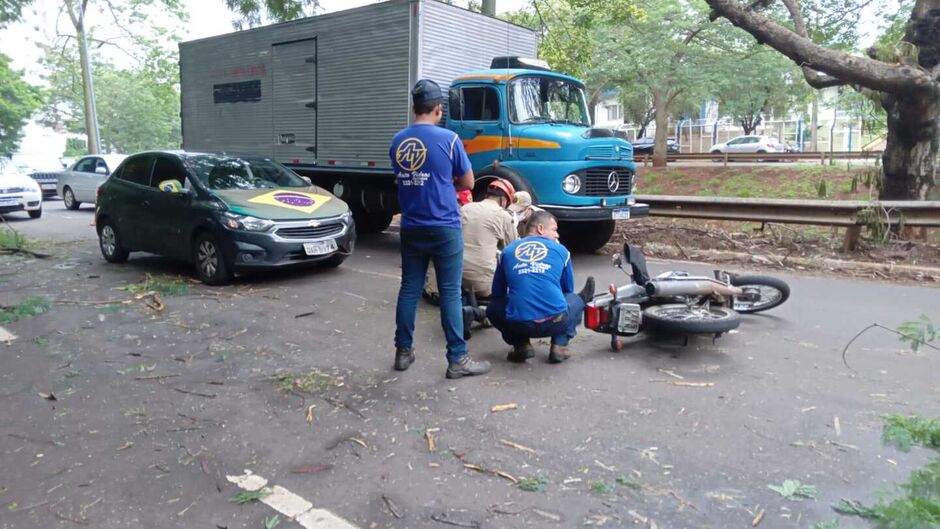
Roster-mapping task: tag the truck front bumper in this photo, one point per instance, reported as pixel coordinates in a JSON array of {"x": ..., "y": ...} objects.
[{"x": 597, "y": 213}]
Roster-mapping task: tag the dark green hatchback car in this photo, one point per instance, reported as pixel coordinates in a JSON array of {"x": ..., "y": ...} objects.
[{"x": 224, "y": 213}]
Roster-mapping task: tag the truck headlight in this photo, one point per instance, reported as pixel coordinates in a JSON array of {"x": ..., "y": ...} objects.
[
  {"x": 571, "y": 184},
  {"x": 246, "y": 222}
]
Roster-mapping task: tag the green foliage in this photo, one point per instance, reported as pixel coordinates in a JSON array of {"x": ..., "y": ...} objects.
[
  {"x": 629, "y": 483},
  {"x": 19, "y": 100},
  {"x": 30, "y": 306},
  {"x": 11, "y": 239},
  {"x": 272, "y": 522},
  {"x": 822, "y": 189},
  {"x": 75, "y": 147},
  {"x": 917, "y": 506},
  {"x": 600, "y": 487},
  {"x": 163, "y": 285},
  {"x": 248, "y": 496},
  {"x": 906, "y": 432},
  {"x": 12, "y": 11},
  {"x": 314, "y": 381},
  {"x": 253, "y": 13},
  {"x": 792, "y": 489},
  {"x": 918, "y": 332},
  {"x": 532, "y": 484},
  {"x": 854, "y": 508},
  {"x": 831, "y": 524}
]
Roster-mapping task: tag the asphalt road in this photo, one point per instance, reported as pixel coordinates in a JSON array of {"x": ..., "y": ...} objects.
[{"x": 154, "y": 408}]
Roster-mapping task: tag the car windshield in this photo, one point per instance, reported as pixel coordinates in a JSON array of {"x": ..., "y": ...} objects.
[
  {"x": 538, "y": 99},
  {"x": 220, "y": 172}
]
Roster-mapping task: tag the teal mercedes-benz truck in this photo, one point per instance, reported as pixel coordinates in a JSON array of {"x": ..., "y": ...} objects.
[{"x": 324, "y": 95}]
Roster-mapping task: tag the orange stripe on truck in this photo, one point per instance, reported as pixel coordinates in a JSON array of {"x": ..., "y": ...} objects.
[
  {"x": 492, "y": 77},
  {"x": 492, "y": 143}
]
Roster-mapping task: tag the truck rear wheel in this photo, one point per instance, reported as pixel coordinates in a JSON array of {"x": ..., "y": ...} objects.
[
  {"x": 586, "y": 237},
  {"x": 367, "y": 223}
]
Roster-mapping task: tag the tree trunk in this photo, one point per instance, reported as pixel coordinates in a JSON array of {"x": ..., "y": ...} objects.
[
  {"x": 910, "y": 157},
  {"x": 662, "y": 124},
  {"x": 77, "y": 15}
]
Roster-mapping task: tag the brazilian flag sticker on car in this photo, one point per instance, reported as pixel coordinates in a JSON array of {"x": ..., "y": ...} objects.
[{"x": 296, "y": 200}]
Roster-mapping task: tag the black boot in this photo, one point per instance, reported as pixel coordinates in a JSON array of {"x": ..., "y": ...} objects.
[
  {"x": 587, "y": 293},
  {"x": 521, "y": 353},
  {"x": 467, "y": 367},
  {"x": 403, "y": 358}
]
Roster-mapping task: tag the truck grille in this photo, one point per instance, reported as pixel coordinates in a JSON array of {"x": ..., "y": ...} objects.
[
  {"x": 596, "y": 181},
  {"x": 605, "y": 152},
  {"x": 310, "y": 232}
]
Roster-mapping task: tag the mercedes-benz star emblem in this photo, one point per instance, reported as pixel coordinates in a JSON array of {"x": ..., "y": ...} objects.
[{"x": 613, "y": 181}]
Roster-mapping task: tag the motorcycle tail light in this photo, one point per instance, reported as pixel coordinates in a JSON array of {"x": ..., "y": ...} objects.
[{"x": 594, "y": 316}]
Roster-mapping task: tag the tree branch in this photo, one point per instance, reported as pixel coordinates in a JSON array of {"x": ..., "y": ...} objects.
[{"x": 804, "y": 52}]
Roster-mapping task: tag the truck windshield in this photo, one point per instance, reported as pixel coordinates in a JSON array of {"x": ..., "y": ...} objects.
[
  {"x": 219, "y": 173},
  {"x": 537, "y": 99}
]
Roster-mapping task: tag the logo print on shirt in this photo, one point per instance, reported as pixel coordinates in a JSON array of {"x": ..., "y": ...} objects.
[
  {"x": 411, "y": 154},
  {"x": 531, "y": 252}
]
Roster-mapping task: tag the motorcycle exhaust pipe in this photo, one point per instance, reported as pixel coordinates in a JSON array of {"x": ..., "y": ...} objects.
[{"x": 695, "y": 287}]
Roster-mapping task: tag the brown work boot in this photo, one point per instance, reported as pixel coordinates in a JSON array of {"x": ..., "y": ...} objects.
[
  {"x": 558, "y": 354},
  {"x": 467, "y": 367},
  {"x": 403, "y": 358},
  {"x": 521, "y": 353}
]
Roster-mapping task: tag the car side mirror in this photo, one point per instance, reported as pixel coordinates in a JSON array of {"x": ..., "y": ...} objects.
[
  {"x": 101, "y": 170},
  {"x": 308, "y": 180}
]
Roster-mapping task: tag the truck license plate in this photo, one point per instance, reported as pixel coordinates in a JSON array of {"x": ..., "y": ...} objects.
[
  {"x": 320, "y": 247},
  {"x": 621, "y": 214}
]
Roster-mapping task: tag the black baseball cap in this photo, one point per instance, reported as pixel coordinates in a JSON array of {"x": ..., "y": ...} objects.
[{"x": 426, "y": 91}]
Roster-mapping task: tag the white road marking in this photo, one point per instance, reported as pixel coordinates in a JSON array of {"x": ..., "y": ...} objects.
[{"x": 291, "y": 505}]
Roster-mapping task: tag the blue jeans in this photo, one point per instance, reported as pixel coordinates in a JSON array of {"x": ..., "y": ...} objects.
[
  {"x": 419, "y": 246},
  {"x": 561, "y": 329}
]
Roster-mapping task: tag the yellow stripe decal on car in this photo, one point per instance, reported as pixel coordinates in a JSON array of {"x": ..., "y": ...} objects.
[
  {"x": 492, "y": 143},
  {"x": 296, "y": 200}
]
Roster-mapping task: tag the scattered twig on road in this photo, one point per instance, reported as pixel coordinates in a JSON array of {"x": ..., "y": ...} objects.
[
  {"x": 341, "y": 404},
  {"x": 305, "y": 314},
  {"x": 392, "y": 508},
  {"x": 196, "y": 393},
  {"x": 311, "y": 469},
  {"x": 154, "y": 377},
  {"x": 442, "y": 518},
  {"x": 872, "y": 326},
  {"x": 517, "y": 446}
]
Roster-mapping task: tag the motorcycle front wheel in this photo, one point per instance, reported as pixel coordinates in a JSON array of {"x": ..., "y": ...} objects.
[
  {"x": 773, "y": 292},
  {"x": 680, "y": 318}
]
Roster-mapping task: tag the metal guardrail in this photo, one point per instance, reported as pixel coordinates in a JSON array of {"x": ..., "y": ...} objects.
[
  {"x": 821, "y": 157},
  {"x": 851, "y": 214}
]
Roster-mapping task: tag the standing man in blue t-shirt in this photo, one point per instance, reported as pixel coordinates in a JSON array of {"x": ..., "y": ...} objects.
[
  {"x": 431, "y": 166},
  {"x": 533, "y": 292}
]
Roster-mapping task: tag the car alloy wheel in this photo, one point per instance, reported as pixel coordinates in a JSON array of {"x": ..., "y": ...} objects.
[
  {"x": 207, "y": 257},
  {"x": 69, "y": 199},
  {"x": 108, "y": 239}
]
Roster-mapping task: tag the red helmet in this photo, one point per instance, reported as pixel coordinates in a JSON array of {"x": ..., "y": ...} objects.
[{"x": 504, "y": 187}]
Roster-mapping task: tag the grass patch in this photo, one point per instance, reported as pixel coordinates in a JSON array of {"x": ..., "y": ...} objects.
[
  {"x": 31, "y": 306},
  {"x": 629, "y": 483},
  {"x": 163, "y": 285},
  {"x": 600, "y": 487},
  {"x": 531, "y": 484},
  {"x": 315, "y": 381},
  {"x": 248, "y": 496},
  {"x": 792, "y": 489},
  {"x": 11, "y": 239},
  {"x": 906, "y": 432}
]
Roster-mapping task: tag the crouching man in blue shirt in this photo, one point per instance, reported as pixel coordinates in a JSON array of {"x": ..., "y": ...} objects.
[{"x": 533, "y": 292}]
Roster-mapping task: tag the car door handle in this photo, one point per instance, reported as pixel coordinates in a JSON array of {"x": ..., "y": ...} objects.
[{"x": 478, "y": 131}]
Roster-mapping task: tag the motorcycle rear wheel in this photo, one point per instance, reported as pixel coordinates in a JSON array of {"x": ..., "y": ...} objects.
[
  {"x": 679, "y": 318},
  {"x": 773, "y": 292}
]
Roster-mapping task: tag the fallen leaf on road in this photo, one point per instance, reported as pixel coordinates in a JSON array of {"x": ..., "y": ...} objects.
[
  {"x": 432, "y": 441},
  {"x": 547, "y": 515},
  {"x": 504, "y": 407},
  {"x": 757, "y": 519},
  {"x": 310, "y": 412}
]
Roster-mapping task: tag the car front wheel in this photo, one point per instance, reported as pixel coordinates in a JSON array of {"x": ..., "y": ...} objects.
[
  {"x": 210, "y": 263},
  {"x": 110, "y": 244},
  {"x": 35, "y": 214}
]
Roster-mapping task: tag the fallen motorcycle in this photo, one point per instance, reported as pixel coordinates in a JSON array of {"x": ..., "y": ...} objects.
[{"x": 676, "y": 303}]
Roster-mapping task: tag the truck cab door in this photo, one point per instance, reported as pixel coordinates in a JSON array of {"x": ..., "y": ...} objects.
[{"x": 476, "y": 116}]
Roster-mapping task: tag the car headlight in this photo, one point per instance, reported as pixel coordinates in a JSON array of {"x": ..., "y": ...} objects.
[
  {"x": 246, "y": 222},
  {"x": 571, "y": 184}
]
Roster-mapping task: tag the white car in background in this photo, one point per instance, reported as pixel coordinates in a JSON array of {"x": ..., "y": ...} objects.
[
  {"x": 18, "y": 192},
  {"x": 749, "y": 144},
  {"x": 79, "y": 183}
]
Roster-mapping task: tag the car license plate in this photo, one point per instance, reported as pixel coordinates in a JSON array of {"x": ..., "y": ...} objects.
[
  {"x": 320, "y": 247},
  {"x": 48, "y": 186},
  {"x": 621, "y": 214},
  {"x": 8, "y": 202}
]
